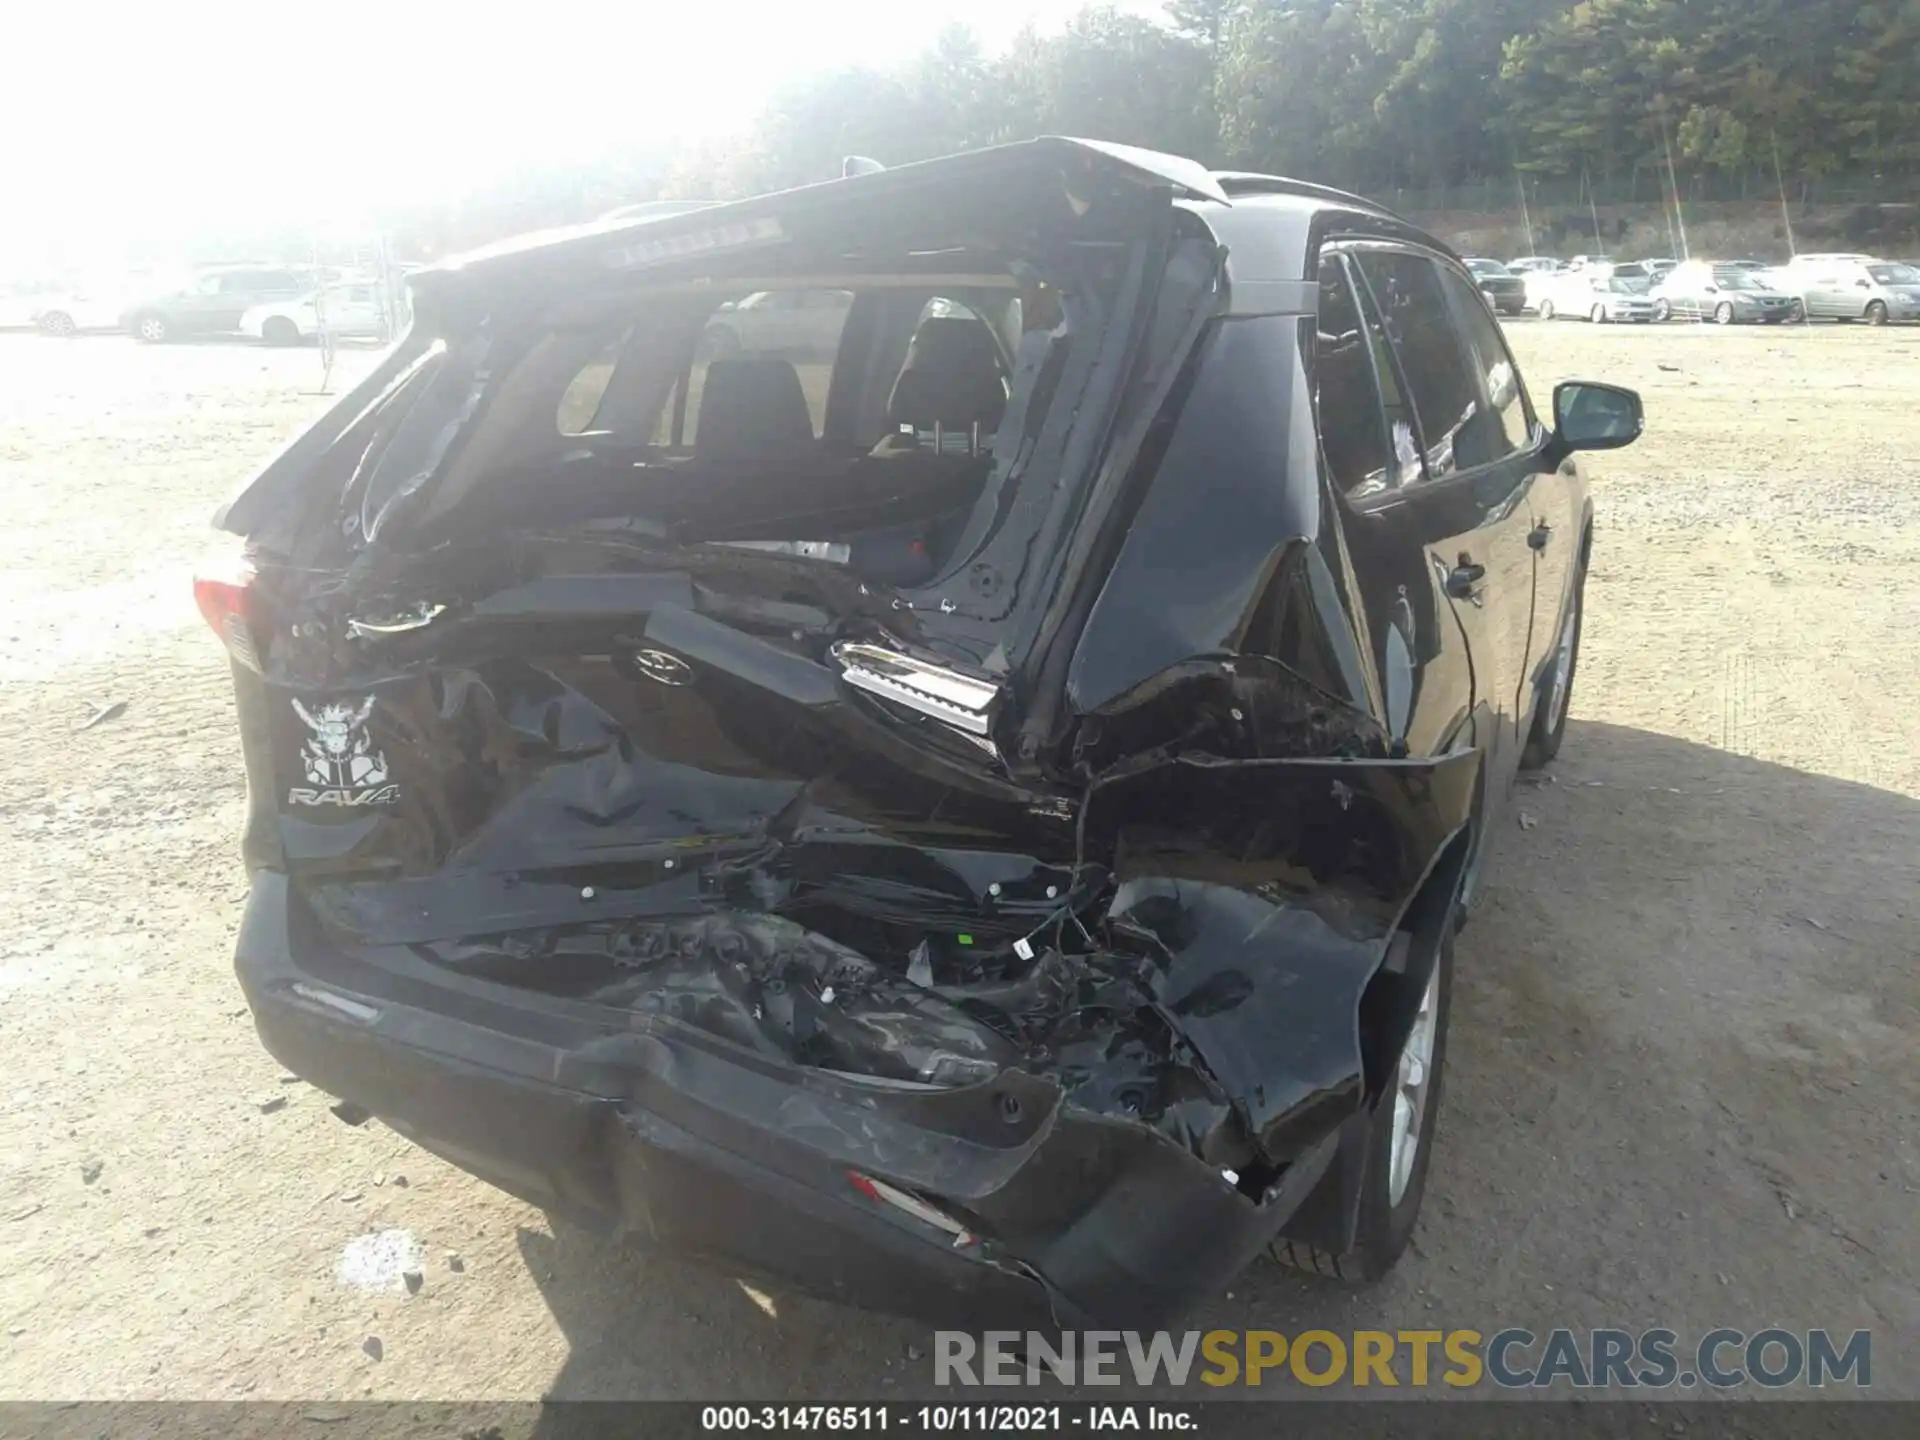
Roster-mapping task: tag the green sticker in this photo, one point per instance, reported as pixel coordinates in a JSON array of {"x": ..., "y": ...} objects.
[{"x": 965, "y": 939}]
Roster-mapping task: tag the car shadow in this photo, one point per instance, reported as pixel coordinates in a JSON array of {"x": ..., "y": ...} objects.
[{"x": 1688, "y": 985}]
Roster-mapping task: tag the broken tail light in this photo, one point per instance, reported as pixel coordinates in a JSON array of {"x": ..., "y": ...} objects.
[
  {"x": 882, "y": 1193},
  {"x": 225, "y": 589}
]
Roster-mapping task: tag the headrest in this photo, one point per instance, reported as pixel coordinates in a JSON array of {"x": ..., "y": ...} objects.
[
  {"x": 752, "y": 408},
  {"x": 951, "y": 376}
]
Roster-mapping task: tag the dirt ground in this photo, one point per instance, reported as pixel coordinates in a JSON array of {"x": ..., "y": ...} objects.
[{"x": 1682, "y": 1086}]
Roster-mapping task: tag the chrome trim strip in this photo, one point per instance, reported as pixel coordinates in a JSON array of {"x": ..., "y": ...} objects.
[{"x": 946, "y": 695}]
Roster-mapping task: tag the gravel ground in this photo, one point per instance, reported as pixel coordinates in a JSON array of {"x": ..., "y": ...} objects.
[{"x": 1682, "y": 1087}]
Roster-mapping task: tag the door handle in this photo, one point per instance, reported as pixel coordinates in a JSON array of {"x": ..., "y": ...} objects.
[
  {"x": 1540, "y": 535},
  {"x": 1463, "y": 579}
]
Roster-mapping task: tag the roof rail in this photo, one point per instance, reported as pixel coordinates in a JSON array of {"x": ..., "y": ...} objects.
[{"x": 1246, "y": 182}]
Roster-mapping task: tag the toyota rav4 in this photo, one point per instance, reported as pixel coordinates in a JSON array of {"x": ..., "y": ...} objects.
[{"x": 970, "y": 823}]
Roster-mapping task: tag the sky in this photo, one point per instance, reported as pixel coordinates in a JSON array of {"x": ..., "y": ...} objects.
[{"x": 124, "y": 125}]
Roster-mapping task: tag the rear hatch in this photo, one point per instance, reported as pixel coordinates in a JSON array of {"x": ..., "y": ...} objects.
[{"x": 557, "y": 668}]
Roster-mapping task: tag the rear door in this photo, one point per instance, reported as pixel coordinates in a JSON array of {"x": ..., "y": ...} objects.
[
  {"x": 1466, "y": 495},
  {"x": 1403, "y": 532}
]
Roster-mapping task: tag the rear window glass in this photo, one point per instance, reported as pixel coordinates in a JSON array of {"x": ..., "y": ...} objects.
[{"x": 770, "y": 336}]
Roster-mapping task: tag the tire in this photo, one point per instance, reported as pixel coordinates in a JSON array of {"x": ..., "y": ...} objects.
[
  {"x": 152, "y": 328},
  {"x": 280, "y": 331},
  {"x": 59, "y": 324},
  {"x": 1877, "y": 312},
  {"x": 1662, "y": 310},
  {"x": 1551, "y": 707},
  {"x": 1390, "y": 1196},
  {"x": 1546, "y": 309},
  {"x": 1723, "y": 313},
  {"x": 1599, "y": 315}
]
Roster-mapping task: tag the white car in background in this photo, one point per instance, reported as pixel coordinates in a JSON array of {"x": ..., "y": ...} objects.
[
  {"x": 78, "y": 311},
  {"x": 1595, "y": 294},
  {"x": 1534, "y": 265},
  {"x": 350, "y": 309}
]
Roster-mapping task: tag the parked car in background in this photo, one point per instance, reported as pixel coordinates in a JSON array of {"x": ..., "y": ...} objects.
[
  {"x": 1534, "y": 264},
  {"x": 1593, "y": 295},
  {"x": 1590, "y": 262},
  {"x": 1876, "y": 291},
  {"x": 634, "y": 820},
  {"x": 348, "y": 308},
  {"x": 1823, "y": 259},
  {"x": 794, "y": 324},
  {"x": 1658, "y": 266},
  {"x": 215, "y": 299},
  {"x": 1505, "y": 291},
  {"x": 1724, "y": 294},
  {"x": 78, "y": 311},
  {"x": 1634, "y": 272}
]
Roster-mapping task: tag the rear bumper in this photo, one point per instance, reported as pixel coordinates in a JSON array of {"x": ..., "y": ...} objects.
[{"x": 664, "y": 1136}]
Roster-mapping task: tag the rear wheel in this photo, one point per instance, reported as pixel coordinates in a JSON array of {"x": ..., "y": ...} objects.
[
  {"x": 1599, "y": 315},
  {"x": 1399, "y": 1144},
  {"x": 1723, "y": 314},
  {"x": 1877, "y": 313},
  {"x": 1663, "y": 310},
  {"x": 1546, "y": 309},
  {"x": 152, "y": 328},
  {"x": 58, "y": 322},
  {"x": 280, "y": 331}
]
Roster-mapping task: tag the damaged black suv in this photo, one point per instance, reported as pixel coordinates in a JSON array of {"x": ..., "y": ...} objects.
[{"x": 959, "y": 803}]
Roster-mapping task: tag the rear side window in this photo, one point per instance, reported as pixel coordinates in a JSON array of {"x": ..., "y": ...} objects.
[
  {"x": 1413, "y": 312},
  {"x": 1353, "y": 433},
  {"x": 1504, "y": 427}
]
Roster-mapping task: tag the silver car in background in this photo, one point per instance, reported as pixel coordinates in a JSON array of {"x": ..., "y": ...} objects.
[
  {"x": 1876, "y": 291},
  {"x": 1724, "y": 294}
]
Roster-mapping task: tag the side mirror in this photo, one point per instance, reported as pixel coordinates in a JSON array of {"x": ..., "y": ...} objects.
[{"x": 1591, "y": 416}]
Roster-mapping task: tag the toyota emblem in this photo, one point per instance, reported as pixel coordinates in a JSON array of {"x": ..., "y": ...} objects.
[{"x": 667, "y": 669}]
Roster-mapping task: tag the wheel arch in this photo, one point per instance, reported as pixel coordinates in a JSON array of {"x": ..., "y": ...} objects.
[{"x": 1329, "y": 1218}]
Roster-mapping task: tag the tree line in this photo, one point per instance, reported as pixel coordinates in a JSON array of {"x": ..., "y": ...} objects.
[
  {"x": 1385, "y": 93},
  {"x": 1369, "y": 94}
]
